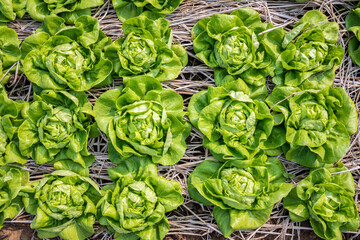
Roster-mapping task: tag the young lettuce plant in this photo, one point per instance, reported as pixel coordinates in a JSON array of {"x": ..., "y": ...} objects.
[
  {"x": 12, "y": 179},
  {"x": 60, "y": 57},
  {"x": 233, "y": 45},
  {"x": 234, "y": 125},
  {"x": 135, "y": 205},
  {"x": 243, "y": 193},
  {"x": 126, "y": 9},
  {"x": 310, "y": 56},
  {"x": 69, "y": 10},
  {"x": 326, "y": 197},
  {"x": 12, "y": 115},
  {"x": 9, "y": 53},
  {"x": 353, "y": 25},
  {"x": 57, "y": 128},
  {"x": 143, "y": 119},
  {"x": 10, "y": 9},
  {"x": 64, "y": 205},
  {"x": 147, "y": 50},
  {"x": 318, "y": 123}
]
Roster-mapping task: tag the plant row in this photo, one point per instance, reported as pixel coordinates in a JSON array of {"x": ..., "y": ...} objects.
[{"x": 242, "y": 126}]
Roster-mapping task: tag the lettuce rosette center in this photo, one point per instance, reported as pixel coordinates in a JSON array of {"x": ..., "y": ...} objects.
[
  {"x": 236, "y": 50},
  {"x": 142, "y": 122},
  {"x": 138, "y": 204},
  {"x": 240, "y": 182},
  {"x": 64, "y": 199},
  {"x": 139, "y": 53},
  {"x": 56, "y": 128},
  {"x": 68, "y": 62}
]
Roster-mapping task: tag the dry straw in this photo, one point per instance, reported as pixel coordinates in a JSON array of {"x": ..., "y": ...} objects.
[{"x": 192, "y": 220}]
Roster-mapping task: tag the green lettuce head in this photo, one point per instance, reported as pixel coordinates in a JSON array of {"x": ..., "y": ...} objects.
[
  {"x": 327, "y": 199},
  {"x": 9, "y": 52},
  {"x": 12, "y": 115},
  {"x": 232, "y": 45},
  {"x": 12, "y": 179},
  {"x": 143, "y": 119},
  {"x": 234, "y": 125},
  {"x": 310, "y": 56},
  {"x": 353, "y": 25},
  {"x": 135, "y": 205},
  {"x": 243, "y": 193},
  {"x": 126, "y": 9},
  {"x": 10, "y": 9},
  {"x": 147, "y": 50},
  {"x": 70, "y": 10},
  {"x": 60, "y": 57},
  {"x": 64, "y": 205},
  {"x": 57, "y": 129},
  {"x": 318, "y": 123}
]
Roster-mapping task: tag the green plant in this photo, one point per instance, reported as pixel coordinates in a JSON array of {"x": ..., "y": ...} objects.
[
  {"x": 353, "y": 25},
  {"x": 70, "y": 10},
  {"x": 310, "y": 56},
  {"x": 10, "y": 9},
  {"x": 12, "y": 179},
  {"x": 318, "y": 123},
  {"x": 233, "y": 45},
  {"x": 326, "y": 197},
  {"x": 135, "y": 205},
  {"x": 143, "y": 119},
  {"x": 11, "y": 117},
  {"x": 57, "y": 128},
  {"x": 126, "y": 9},
  {"x": 234, "y": 125},
  {"x": 60, "y": 57},
  {"x": 147, "y": 50},
  {"x": 64, "y": 205},
  {"x": 243, "y": 192},
  {"x": 9, "y": 52}
]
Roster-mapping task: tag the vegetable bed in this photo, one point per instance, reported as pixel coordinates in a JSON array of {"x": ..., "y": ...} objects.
[{"x": 192, "y": 220}]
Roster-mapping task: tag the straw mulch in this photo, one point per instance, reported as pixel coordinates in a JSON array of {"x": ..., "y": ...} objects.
[{"x": 192, "y": 220}]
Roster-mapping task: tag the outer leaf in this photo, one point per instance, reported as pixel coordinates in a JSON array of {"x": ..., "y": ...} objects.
[
  {"x": 9, "y": 52},
  {"x": 12, "y": 179},
  {"x": 11, "y": 117},
  {"x": 10, "y": 9}
]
